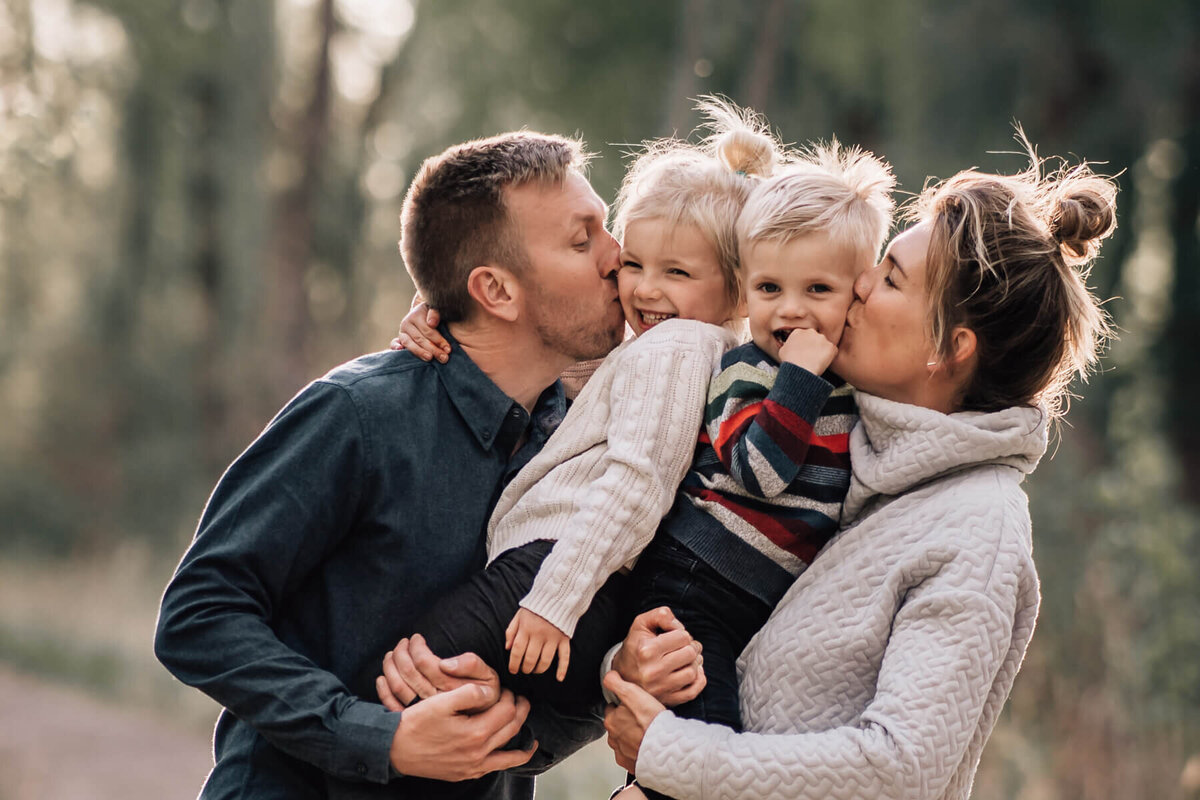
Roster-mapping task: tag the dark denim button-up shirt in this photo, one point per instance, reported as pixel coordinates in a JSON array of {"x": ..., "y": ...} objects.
[{"x": 365, "y": 499}]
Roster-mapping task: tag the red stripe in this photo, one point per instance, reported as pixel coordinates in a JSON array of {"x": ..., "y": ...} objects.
[
  {"x": 730, "y": 427},
  {"x": 780, "y": 534}
]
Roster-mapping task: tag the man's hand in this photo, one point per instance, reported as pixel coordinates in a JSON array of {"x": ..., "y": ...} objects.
[
  {"x": 809, "y": 349},
  {"x": 533, "y": 641},
  {"x": 439, "y": 737},
  {"x": 412, "y": 672},
  {"x": 660, "y": 656},
  {"x": 627, "y": 723},
  {"x": 419, "y": 334}
]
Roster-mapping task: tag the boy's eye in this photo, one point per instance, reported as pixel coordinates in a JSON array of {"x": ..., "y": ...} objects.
[{"x": 820, "y": 288}]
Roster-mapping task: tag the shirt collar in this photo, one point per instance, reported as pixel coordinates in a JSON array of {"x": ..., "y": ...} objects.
[{"x": 488, "y": 412}]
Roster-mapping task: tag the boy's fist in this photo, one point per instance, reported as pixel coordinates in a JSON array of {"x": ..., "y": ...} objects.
[{"x": 808, "y": 348}]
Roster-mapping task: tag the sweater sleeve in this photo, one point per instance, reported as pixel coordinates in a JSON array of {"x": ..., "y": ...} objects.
[
  {"x": 761, "y": 424},
  {"x": 938, "y": 670},
  {"x": 656, "y": 407}
]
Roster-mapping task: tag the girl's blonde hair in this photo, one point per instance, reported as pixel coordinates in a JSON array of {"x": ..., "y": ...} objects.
[
  {"x": 845, "y": 193},
  {"x": 1009, "y": 257},
  {"x": 702, "y": 184}
]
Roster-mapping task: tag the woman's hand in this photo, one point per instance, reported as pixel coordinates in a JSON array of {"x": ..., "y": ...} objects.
[
  {"x": 627, "y": 723},
  {"x": 533, "y": 641},
  {"x": 660, "y": 656},
  {"x": 419, "y": 335}
]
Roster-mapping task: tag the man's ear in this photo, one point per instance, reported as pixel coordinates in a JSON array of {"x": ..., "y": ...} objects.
[{"x": 496, "y": 291}]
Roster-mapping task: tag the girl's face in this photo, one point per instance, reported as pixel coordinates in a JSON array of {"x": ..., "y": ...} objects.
[
  {"x": 886, "y": 346},
  {"x": 670, "y": 271}
]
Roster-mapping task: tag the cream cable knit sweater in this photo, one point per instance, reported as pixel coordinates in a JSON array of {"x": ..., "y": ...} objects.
[
  {"x": 882, "y": 670},
  {"x": 604, "y": 480}
]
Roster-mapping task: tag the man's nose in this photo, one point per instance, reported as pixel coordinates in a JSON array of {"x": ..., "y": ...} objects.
[{"x": 610, "y": 256}]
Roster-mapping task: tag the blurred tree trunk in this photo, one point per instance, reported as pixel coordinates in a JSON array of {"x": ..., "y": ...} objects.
[
  {"x": 1183, "y": 327},
  {"x": 756, "y": 88},
  {"x": 292, "y": 238},
  {"x": 682, "y": 87}
]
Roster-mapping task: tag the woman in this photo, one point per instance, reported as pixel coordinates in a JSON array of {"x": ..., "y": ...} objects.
[{"x": 882, "y": 671}]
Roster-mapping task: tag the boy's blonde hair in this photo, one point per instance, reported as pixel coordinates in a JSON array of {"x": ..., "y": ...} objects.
[
  {"x": 702, "y": 184},
  {"x": 843, "y": 192}
]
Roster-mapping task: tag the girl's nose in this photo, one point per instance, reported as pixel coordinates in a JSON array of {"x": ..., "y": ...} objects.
[{"x": 646, "y": 288}]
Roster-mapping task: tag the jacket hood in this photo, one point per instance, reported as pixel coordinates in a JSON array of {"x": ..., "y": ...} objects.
[{"x": 896, "y": 446}]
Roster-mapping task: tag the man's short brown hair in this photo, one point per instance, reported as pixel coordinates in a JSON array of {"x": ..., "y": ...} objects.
[{"x": 455, "y": 219}]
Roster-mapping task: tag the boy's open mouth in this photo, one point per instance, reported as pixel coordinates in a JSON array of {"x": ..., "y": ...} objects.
[
  {"x": 650, "y": 319},
  {"x": 782, "y": 334}
]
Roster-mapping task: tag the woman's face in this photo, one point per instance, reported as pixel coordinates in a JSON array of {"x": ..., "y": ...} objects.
[{"x": 886, "y": 346}]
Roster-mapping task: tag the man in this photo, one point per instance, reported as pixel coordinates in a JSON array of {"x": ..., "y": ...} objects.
[{"x": 368, "y": 495}]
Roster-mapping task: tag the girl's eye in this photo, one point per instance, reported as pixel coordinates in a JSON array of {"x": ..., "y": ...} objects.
[
  {"x": 768, "y": 288},
  {"x": 630, "y": 265},
  {"x": 678, "y": 271}
]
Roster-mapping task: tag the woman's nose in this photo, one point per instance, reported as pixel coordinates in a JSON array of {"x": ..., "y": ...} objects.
[{"x": 864, "y": 283}]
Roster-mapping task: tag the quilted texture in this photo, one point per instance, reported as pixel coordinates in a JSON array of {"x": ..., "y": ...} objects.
[
  {"x": 882, "y": 670},
  {"x": 604, "y": 480}
]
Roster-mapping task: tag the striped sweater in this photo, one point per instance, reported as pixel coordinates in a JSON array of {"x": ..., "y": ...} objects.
[{"x": 771, "y": 469}]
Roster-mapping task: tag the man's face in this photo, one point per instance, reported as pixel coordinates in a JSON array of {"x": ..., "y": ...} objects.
[{"x": 570, "y": 278}]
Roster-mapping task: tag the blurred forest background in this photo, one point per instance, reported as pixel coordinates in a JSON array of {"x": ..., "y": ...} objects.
[{"x": 198, "y": 214}]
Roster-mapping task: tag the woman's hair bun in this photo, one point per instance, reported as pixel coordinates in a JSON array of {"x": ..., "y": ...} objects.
[
  {"x": 1082, "y": 213},
  {"x": 740, "y": 138}
]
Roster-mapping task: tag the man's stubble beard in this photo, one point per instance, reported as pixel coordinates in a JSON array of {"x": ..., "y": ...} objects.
[{"x": 559, "y": 330}]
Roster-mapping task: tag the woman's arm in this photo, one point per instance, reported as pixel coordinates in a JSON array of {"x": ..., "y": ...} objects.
[{"x": 942, "y": 663}]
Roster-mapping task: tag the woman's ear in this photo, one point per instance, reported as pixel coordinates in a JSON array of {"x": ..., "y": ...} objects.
[
  {"x": 963, "y": 345},
  {"x": 496, "y": 292}
]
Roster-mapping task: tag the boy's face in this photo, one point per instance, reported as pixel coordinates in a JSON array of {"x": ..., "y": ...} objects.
[
  {"x": 670, "y": 271},
  {"x": 805, "y": 283}
]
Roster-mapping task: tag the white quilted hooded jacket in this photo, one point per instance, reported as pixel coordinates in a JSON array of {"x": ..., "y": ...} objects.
[{"x": 882, "y": 670}]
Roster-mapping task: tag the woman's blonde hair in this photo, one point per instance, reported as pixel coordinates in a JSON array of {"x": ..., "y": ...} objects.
[
  {"x": 1009, "y": 257},
  {"x": 702, "y": 184}
]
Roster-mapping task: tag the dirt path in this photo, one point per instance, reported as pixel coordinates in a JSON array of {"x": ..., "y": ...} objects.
[{"x": 60, "y": 743}]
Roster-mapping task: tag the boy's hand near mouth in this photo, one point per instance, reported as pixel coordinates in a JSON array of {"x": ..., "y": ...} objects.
[{"x": 806, "y": 348}]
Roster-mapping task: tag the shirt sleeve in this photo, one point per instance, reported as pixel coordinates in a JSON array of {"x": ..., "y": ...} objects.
[
  {"x": 656, "y": 407},
  {"x": 761, "y": 425},
  {"x": 275, "y": 515},
  {"x": 938, "y": 672}
]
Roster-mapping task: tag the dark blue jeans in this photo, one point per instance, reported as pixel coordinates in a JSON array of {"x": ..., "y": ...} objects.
[
  {"x": 563, "y": 716},
  {"x": 720, "y": 615}
]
